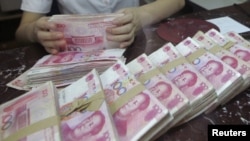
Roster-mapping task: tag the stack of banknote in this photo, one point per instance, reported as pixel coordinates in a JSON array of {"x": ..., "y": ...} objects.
[
  {"x": 191, "y": 83},
  {"x": 31, "y": 116},
  {"x": 137, "y": 114},
  {"x": 223, "y": 77},
  {"x": 105, "y": 99},
  {"x": 85, "y": 32},
  {"x": 85, "y": 112},
  {"x": 66, "y": 67},
  {"x": 237, "y": 46},
  {"x": 162, "y": 88},
  {"x": 227, "y": 57}
]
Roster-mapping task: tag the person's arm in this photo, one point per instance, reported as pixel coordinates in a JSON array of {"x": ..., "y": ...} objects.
[
  {"x": 158, "y": 10},
  {"x": 35, "y": 27},
  {"x": 137, "y": 17}
]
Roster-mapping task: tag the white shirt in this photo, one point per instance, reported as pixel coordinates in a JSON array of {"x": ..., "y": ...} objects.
[{"x": 78, "y": 6}]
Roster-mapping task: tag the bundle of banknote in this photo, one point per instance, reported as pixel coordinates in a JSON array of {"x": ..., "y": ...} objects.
[
  {"x": 224, "y": 78},
  {"x": 194, "y": 85},
  {"x": 237, "y": 38},
  {"x": 84, "y": 110},
  {"x": 227, "y": 57},
  {"x": 136, "y": 112},
  {"x": 31, "y": 116},
  {"x": 238, "y": 47},
  {"x": 85, "y": 32},
  {"x": 66, "y": 67},
  {"x": 162, "y": 88}
]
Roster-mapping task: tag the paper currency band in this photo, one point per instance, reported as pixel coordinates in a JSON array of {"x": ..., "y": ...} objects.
[
  {"x": 196, "y": 54},
  {"x": 91, "y": 104},
  {"x": 216, "y": 49},
  {"x": 167, "y": 67},
  {"x": 228, "y": 45},
  {"x": 143, "y": 78},
  {"x": 122, "y": 100},
  {"x": 43, "y": 124}
]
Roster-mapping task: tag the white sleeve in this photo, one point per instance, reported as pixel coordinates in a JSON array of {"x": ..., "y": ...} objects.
[{"x": 37, "y": 6}]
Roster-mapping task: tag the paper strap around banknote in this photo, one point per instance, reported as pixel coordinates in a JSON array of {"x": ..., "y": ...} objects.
[
  {"x": 91, "y": 104},
  {"x": 150, "y": 74},
  {"x": 196, "y": 54},
  {"x": 43, "y": 124},
  {"x": 216, "y": 49},
  {"x": 228, "y": 45},
  {"x": 167, "y": 67},
  {"x": 122, "y": 100}
]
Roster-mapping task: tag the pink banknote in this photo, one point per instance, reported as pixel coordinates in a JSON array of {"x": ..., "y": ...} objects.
[
  {"x": 85, "y": 32},
  {"x": 241, "y": 52},
  {"x": 164, "y": 54},
  {"x": 86, "y": 124},
  {"x": 237, "y": 38},
  {"x": 226, "y": 56},
  {"x": 72, "y": 57},
  {"x": 89, "y": 125},
  {"x": 135, "y": 110},
  {"x": 36, "y": 107},
  {"x": 162, "y": 88}
]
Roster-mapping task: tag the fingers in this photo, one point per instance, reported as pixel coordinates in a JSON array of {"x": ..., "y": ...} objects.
[
  {"x": 49, "y": 35},
  {"x": 54, "y": 47},
  {"x": 124, "y": 34},
  {"x": 44, "y": 24},
  {"x": 127, "y": 18},
  {"x": 127, "y": 43},
  {"x": 53, "y": 42}
]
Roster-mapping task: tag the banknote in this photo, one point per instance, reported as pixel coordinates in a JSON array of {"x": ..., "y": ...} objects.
[
  {"x": 237, "y": 38},
  {"x": 164, "y": 54},
  {"x": 72, "y": 57},
  {"x": 85, "y": 32},
  {"x": 204, "y": 41},
  {"x": 162, "y": 88},
  {"x": 86, "y": 115},
  {"x": 241, "y": 52},
  {"x": 20, "y": 82},
  {"x": 66, "y": 67},
  {"x": 175, "y": 67},
  {"x": 31, "y": 115},
  {"x": 89, "y": 125},
  {"x": 218, "y": 38},
  {"x": 223, "y": 77},
  {"x": 85, "y": 87},
  {"x": 204, "y": 97},
  {"x": 193, "y": 84},
  {"x": 226, "y": 56},
  {"x": 135, "y": 110}
]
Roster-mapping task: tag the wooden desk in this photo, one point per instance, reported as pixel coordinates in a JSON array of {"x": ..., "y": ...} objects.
[{"x": 15, "y": 61}]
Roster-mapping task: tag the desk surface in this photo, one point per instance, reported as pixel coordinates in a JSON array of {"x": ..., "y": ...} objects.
[{"x": 15, "y": 61}]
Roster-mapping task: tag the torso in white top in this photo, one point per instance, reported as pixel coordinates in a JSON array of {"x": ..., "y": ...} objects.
[{"x": 78, "y": 6}]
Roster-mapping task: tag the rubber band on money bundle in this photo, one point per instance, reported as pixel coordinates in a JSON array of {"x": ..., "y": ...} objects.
[{"x": 91, "y": 104}]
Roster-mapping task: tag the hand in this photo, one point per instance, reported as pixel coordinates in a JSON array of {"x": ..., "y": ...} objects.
[
  {"x": 53, "y": 42},
  {"x": 126, "y": 27}
]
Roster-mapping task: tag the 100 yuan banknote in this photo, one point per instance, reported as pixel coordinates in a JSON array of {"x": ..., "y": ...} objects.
[
  {"x": 32, "y": 115},
  {"x": 85, "y": 32},
  {"x": 135, "y": 110}
]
